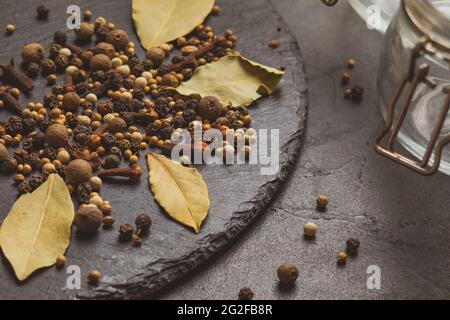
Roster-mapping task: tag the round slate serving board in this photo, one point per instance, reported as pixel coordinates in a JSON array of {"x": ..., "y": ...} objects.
[{"x": 238, "y": 193}]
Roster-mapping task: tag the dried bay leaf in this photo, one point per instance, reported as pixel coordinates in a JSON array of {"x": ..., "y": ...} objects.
[
  {"x": 233, "y": 79},
  {"x": 158, "y": 22},
  {"x": 179, "y": 190},
  {"x": 37, "y": 229}
]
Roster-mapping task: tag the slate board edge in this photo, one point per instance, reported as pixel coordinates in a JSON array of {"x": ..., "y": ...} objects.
[{"x": 161, "y": 273}]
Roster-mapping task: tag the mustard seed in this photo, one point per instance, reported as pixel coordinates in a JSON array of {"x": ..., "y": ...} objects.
[
  {"x": 10, "y": 28},
  {"x": 94, "y": 276},
  {"x": 60, "y": 262}
]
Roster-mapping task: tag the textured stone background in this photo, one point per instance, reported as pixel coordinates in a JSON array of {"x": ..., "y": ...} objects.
[{"x": 401, "y": 218}]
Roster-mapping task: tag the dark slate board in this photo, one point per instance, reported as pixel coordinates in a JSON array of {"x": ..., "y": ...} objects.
[{"x": 238, "y": 193}]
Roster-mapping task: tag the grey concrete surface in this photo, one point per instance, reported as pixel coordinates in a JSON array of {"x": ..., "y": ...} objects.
[{"x": 401, "y": 218}]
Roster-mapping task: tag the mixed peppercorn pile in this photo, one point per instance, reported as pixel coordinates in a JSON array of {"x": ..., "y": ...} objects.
[{"x": 105, "y": 106}]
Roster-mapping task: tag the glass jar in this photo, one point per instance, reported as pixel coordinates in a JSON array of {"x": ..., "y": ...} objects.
[
  {"x": 387, "y": 9},
  {"x": 414, "y": 86}
]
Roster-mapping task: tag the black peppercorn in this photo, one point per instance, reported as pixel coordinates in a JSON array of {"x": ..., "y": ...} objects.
[
  {"x": 23, "y": 188},
  {"x": 33, "y": 160},
  {"x": 62, "y": 62},
  {"x": 108, "y": 141},
  {"x": 189, "y": 115},
  {"x": 147, "y": 64},
  {"x": 48, "y": 67},
  {"x": 49, "y": 153},
  {"x": 111, "y": 161},
  {"x": 178, "y": 122},
  {"x": 42, "y": 12},
  {"x": 54, "y": 50},
  {"x": 125, "y": 232},
  {"x": 35, "y": 181},
  {"x": 101, "y": 32},
  {"x": 245, "y": 294},
  {"x": 8, "y": 165},
  {"x": 33, "y": 69},
  {"x": 352, "y": 246},
  {"x": 84, "y": 191},
  {"x": 14, "y": 125},
  {"x": 143, "y": 223},
  {"x": 60, "y": 38},
  {"x": 58, "y": 89},
  {"x": 357, "y": 93}
]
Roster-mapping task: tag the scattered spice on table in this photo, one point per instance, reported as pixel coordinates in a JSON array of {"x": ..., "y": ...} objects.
[
  {"x": 10, "y": 28},
  {"x": 310, "y": 230},
  {"x": 287, "y": 273},
  {"x": 245, "y": 294},
  {"x": 352, "y": 246},
  {"x": 274, "y": 44},
  {"x": 341, "y": 258},
  {"x": 94, "y": 276}
]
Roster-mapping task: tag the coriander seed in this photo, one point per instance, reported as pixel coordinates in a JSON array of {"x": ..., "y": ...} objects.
[
  {"x": 287, "y": 273},
  {"x": 10, "y": 28},
  {"x": 60, "y": 262},
  {"x": 94, "y": 276},
  {"x": 341, "y": 258},
  {"x": 351, "y": 63},
  {"x": 345, "y": 78},
  {"x": 310, "y": 230},
  {"x": 322, "y": 202}
]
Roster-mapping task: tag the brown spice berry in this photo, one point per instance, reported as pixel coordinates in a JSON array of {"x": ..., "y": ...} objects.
[
  {"x": 117, "y": 125},
  {"x": 156, "y": 55},
  {"x": 125, "y": 232},
  {"x": 169, "y": 80},
  {"x": 245, "y": 294},
  {"x": 3, "y": 152},
  {"x": 215, "y": 10},
  {"x": 322, "y": 202},
  {"x": 87, "y": 15},
  {"x": 105, "y": 48},
  {"x": 71, "y": 101},
  {"x": 100, "y": 62},
  {"x": 210, "y": 108},
  {"x": 94, "y": 276},
  {"x": 137, "y": 242},
  {"x": 85, "y": 32},
  {"x": 287, "y": 273},
  {"x": 143, "y": 223},
  {"x": 118, "y": 38},
  {"x": 351, "y": 63},
  {"x": 274, "y": 44},
  {"x": 88, "y": 218},
  {"x": 32, "y": 52},
  {"x": 347, "y": 93},
  {"x": 310, "y": 229},
  {"x": 108, "y": 221},
  {"x": 57, "y": 135},
  {"x": 352, "y": 246},
  {"x": 345, "y": 78},
  {"x": 78, "y": 171},
  {"x": 60, "y": 262},
  {"x": 341, "y": 258},
  {"x": 42, "y": 12},
  {"x": 10, "y": 28}
]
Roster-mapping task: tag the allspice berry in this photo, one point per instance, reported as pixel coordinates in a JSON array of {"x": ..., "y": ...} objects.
[
  {"x": 32, "y": 52},
  {"x": 85, "y": 32},
  {"x": 78, "y": 171},
  {"x": 105, "y": 48},
  {"x": 287, "y": 273},
  {"x": 100, "y": 62},
  {"x": 169, "y": 80},
  {"x": 57, "y": 135},
  {"x": 156, "y": 55},
  {"x": 210, "y": 108},
  {"x": 117, "y": 125},
  {"x": 88, "y": 218},
  {"x": 71, "y": 101},
  {"x": 3, "y": 152},
  {"x": 245, "y": 294},
  {"x": 118, "y": 38}
]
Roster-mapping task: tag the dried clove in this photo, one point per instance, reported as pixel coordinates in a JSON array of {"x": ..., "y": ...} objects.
[
  {"x": 132, "y": 173},
  {"x": 15, "y": 77}
]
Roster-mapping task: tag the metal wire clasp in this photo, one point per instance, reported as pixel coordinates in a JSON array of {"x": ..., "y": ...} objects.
[
  {"x": 415, "y": 76},
  {"x": 330, "y": 2}
]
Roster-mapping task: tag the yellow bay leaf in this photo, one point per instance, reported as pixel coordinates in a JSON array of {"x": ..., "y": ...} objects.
[
  {"x": 161, "y": 21},
  {"x": 37, "y": 229},
  {"x": 233, "y": 79},
  {"x": 180, "y": 191}
]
